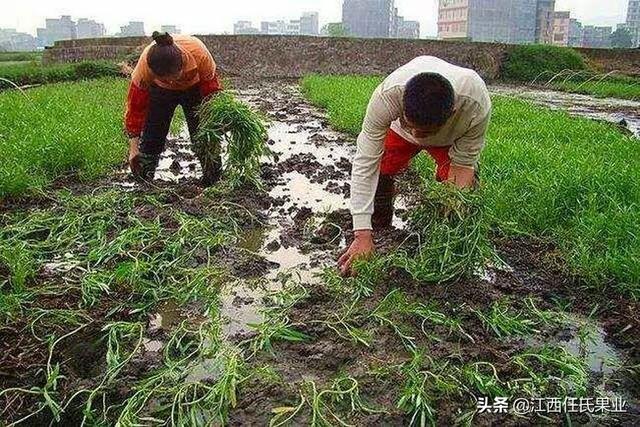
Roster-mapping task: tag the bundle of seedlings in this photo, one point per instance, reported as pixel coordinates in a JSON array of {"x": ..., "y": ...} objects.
[
  {"x": 451, "y": 232},
  {"x": 224, "y": 118}
]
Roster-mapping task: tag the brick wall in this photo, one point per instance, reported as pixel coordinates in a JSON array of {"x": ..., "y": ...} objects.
[{"x": 295, "y": 56}]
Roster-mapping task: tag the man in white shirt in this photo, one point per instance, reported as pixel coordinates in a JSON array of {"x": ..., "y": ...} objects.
[{"x": 427, "y": 104}]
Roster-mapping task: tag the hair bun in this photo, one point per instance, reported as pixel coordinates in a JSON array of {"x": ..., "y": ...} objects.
[{"x": 162, "y": 39}]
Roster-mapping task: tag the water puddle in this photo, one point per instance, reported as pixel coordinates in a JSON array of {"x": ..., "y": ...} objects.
[
  {"x": 618, "y": 111},
  {"x": 167, "y": 316},
  {"x": 585, "y": 339},
  {"x": 317, "y": 156}
]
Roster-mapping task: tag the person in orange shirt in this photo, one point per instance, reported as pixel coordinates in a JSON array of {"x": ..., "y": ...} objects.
[{"x": 172, "y": 71}]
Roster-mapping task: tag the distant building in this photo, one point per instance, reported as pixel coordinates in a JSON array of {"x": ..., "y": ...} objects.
[
  {"x": 310, "y": 24},
  {"x": 406, "y": 29},
  {"x": 132, "y": 29},
  {"x": 633, "y": 21},
  {"x": 88, "y": 28},
  {"x": 561, "y": 28},
  {"x": 171, "y": 29},
  {"x": 368, "y": 18},
  {"x": 63, "y": 28},
  {"x": 273, "y": 27},
  {"x": 576, "y": 33},
  {"x": 545, "y": 15},
  {"x": 599, "y": 37},
  {"x": 13, "y": 41},
  {"x": 245, "y": 27},
  {"x": 500, "y": 21}
]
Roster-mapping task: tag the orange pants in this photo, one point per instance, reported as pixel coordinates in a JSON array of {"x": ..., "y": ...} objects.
[{"x": 398, "y": 153}]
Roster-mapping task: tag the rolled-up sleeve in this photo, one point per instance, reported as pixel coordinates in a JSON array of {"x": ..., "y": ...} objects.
[
  {"x": 466, "y": 150},
  {"x": 366, "y": 164}
]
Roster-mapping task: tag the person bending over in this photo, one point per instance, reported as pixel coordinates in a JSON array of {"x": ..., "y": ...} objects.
[
  {"x": 427, "y": 104},
  {"x": 172, "y": 71}
]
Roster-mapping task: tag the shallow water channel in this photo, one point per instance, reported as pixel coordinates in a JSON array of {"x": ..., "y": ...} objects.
[{"x": 618, "y": 111}]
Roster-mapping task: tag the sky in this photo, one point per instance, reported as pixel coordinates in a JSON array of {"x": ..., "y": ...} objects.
[{"x": 218, "y": 16}]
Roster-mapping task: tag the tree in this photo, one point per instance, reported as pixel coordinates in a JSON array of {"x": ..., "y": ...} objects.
[
  {"x": 621, "y": 38},
  {"x": 335, "y": 29}
]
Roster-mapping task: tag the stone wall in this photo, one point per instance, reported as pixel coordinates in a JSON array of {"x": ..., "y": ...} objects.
[{"x": 295, "y": 56}]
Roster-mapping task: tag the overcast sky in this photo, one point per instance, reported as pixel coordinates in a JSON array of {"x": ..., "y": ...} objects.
[{"x": 217, "y": 16}]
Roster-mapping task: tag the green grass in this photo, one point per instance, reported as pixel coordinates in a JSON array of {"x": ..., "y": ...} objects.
[
  {"x": 20, "y": 56},
  {"x": 528, "y": 62},
  {"x": 60, "y": 129},
  {"x": 571, "y": 180},
  {"x": 32, "y": 73},
  {"x": 623, "y": 89}
]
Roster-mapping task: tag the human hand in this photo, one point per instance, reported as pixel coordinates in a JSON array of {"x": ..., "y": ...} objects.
[{"x": 362, "y": 246}]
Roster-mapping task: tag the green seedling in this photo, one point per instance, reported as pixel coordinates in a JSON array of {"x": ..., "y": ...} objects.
[
  {"x": 504, "y": 321},
  {"x": 482, "y": 378},
  {"x": 425, "y": 383},
  {"x": 452, "y": 235},
  {"x": 224, "y": 118},
  {"x": 324, "y": 404},
  {"x": 551, "y": 370}
]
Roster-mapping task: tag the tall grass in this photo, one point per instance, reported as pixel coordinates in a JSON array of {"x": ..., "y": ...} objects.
[
  {"x": 544, "y": 173},
  {"x": 527, "y": 62},
  {"x": 65, "y": 128}
]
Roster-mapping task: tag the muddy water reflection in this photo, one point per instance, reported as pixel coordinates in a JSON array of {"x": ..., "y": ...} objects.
[{"x": 295, "y": 130}]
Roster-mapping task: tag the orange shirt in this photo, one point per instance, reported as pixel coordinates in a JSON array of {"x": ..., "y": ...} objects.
[{"x": 197, "y": 66}]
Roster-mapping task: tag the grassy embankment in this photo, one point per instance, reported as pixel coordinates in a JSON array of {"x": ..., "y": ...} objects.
[
  {"x": 545, "y": 174},
  {"x": 565, "y": 70}
]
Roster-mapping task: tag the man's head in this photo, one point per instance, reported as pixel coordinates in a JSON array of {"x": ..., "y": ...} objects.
[
  {"x": 164, "y": 57},
  {"x": 428, "y": 104}
]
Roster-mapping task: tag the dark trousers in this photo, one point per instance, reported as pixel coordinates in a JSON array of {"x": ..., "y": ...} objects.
[{"x": 162, "y": 105}]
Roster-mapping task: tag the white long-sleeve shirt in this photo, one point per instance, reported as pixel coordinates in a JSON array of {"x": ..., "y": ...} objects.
[{"x": 464, "y": 131}]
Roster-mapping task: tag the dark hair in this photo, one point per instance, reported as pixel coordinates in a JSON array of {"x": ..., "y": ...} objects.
[
  {"x": 164, "y": 57},
  {"x": 428, "y": 100}
]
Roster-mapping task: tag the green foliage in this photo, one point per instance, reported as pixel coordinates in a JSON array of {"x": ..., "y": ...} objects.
[
  {"x": 224, "y": 118},
  {"x": 345, "y": 98},
  {"x": 505, "y": 321},
  {"x": 572, "y": 180},
  {"x": 20, "y": 56},
  {"x": 33, "y": 73},
  {"x": 609, "y": 87},
  {"x": 56, "y": 130},
  {"x": 528, "y": 62},
  {"x": 452, "y": 232},
  {"x": 335, "y": 29}
]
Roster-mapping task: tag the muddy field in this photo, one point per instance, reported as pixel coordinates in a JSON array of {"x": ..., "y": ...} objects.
[{"x": 344, "y": 352}]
